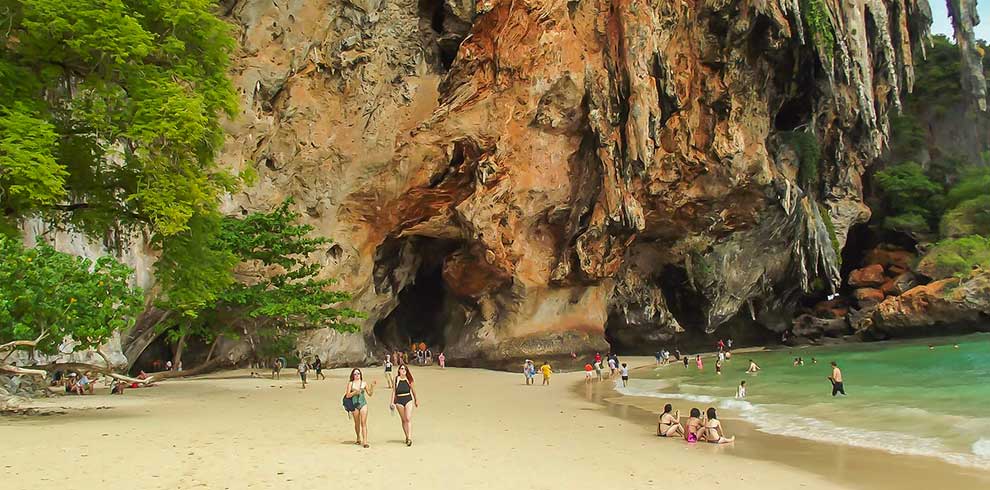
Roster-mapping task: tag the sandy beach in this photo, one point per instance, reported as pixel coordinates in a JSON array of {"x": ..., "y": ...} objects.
[{"x": 475, "y": 428}]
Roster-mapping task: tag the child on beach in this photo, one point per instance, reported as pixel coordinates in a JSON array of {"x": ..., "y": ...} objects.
[
  {"x": 442, "y": 360},
  {"x": 587, "y": 373},
  {"x": 529, "y": 371},
  {"x": 611, "y": 366},
  {"x": 718, "y": 367},
  {"x": 694, "y": 429},
  {"x": 547, "y": 371},
  {"x": 685, "y": 358},
  {"x": 624, "y": 372},
  {"x": 598, "y": 369},
  {"x": 302, "y": 368},
  {"x": 741, "y": 390}
]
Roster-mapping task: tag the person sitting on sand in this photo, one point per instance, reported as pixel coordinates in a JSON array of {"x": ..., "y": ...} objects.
[
  {"x": 670, "y": 422},
  {"x": 547, "y": 371},
  {"x": 70, "y": 384},
  {"x": 753, "y": 367},
  {"x": 85, "y": 384},
  {"x": 714, "y": 431},
  {"x": 741, "y": 390},
  {"x": 694, "y": 429},
  {"x": 624, "y": 372},
  {"x": 117, "y": 387}
]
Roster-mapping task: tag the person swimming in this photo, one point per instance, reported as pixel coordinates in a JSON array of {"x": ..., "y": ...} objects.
[{"x": 753, "y": 367}]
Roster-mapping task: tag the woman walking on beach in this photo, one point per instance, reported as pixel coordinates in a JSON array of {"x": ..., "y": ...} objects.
[
  {"x": 358, "y": 391},
  {"x": 403, "y": 394},
  {"x": 670, "y": 422},
  {"x": 388, "y": 370},
  {"x": 714, "y": 432}
]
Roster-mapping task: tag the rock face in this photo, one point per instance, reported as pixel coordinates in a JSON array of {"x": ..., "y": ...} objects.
[
  {"x": 942, "y": 304},
  {"x": 508, "y": 179}
]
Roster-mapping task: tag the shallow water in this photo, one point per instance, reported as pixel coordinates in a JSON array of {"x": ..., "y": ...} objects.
[{"x": 902, "y": 397}]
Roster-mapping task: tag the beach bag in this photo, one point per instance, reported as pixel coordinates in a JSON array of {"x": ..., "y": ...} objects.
[{"x": 348, "y": 404}]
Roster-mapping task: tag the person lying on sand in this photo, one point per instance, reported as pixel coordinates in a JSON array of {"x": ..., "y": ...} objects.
[
  {"x": 714, "y": 431},
  {"x": 669, "y": 424}
]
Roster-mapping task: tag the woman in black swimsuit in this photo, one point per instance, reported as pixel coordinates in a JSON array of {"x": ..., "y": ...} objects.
[{"x": 402, "y": 395}]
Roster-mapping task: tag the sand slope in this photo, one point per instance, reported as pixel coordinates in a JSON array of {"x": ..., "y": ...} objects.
[{"x": 475, "y": 428}]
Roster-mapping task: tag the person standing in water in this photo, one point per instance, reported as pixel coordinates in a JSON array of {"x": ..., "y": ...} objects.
[
  {"x": 698, "y": 362},
  {"x": 836, "y": 379},
  {"x": 388, "y": 370},
  {"x": 624, "y": 372},
  {"x": 685, "y": 359},
  {"x": 358, "y": 391},
  {"x": 403, "y": 394},
  {"x": 588, "y": 369},
  {"x": 718, "y": 367},
  {"x": 741, "y": 391}
]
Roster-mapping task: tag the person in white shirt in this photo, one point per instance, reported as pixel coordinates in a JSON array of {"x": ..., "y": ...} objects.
[
  {"x": 741, "y": 390},
  {"x": 625, "y": 375},
  {"x": 303, "y": 368}
]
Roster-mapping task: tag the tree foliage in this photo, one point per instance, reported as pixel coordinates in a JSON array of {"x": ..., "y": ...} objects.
[
  {"x": 49, "y": 294},
  {"x": 956, "y": 257},
  {"x": 278, "y": 291},
  {"x": 110, "y": 111},
  {"x": 911, "y": 199}
]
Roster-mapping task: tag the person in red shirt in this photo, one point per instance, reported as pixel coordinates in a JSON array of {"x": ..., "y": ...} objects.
[
  {"x": 587, "y": 373},
  {"x": 598, "y": 357}
]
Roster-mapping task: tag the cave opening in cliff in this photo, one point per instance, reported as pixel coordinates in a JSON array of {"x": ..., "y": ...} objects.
[
  {"x": 686, "y": 304},
  {"x": 442, "y": 32},
  {"x": 421, "y": 314}
]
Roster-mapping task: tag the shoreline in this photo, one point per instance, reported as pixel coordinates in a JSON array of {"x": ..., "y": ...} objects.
[{"x": 852, "y": 466}]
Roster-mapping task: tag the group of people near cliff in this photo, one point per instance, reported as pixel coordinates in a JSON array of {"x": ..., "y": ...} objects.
[{"x": 404, "y": 398}]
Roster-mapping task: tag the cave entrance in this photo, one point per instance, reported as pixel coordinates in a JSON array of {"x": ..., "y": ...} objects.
[
  {"x": 154, "y": 356},
  {"x": 686, "y": 304},
  {"x": 424, "y": 307}
]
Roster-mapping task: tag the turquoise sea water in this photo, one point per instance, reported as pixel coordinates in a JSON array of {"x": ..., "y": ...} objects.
[{"x": 902, "y": 397}]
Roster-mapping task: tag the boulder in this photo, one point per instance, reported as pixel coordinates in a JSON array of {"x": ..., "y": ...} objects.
[
  {"x": 867, "y": 277},
  {"x": 949, "y": 303},
  {"x": 868, "y": 296},
  {"x": 814, "y": 327},
  {"x": 890, "y": 257}
]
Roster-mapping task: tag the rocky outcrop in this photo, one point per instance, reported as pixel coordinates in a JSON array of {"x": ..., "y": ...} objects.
[
  {"x": 524, "y": 178},
  {"x": 964, "y": 19},
  {"x": 934, "y": 308}
]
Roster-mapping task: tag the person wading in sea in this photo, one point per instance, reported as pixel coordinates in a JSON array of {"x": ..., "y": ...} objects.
[{"x": 836, "y": 379}]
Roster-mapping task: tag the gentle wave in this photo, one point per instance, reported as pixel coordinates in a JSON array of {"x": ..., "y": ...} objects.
[{"x": 772, "y": 419}]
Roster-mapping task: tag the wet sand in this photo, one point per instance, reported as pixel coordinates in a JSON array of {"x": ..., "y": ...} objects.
[{"x": 851, "y": 467}]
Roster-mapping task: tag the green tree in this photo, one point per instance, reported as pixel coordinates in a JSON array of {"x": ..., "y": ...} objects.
[
  {"x": 956, "y": 257},
  {"x": 911, "y": 200},
  {"x": 280, "y": 292},
  {"x": 47, "y": 295},
  {"x": 110, "y": 111}
]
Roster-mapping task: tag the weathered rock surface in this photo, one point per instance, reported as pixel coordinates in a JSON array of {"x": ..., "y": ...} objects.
[
  {"x": 943, "y": 304},
  {"x": 869, "y": 276},
  {"x": 511, "y": 179}
]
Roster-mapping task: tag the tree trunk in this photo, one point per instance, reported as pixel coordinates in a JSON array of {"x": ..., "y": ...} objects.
[
  {"x": 213, "y": 346},
  {"x": 177, "y": 358}
]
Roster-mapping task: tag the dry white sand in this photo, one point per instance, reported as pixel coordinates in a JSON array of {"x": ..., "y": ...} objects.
[{"x": 474, "y": 429}]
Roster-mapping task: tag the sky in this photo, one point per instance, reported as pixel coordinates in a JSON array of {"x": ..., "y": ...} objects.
[{"x": 942, "y": 25}]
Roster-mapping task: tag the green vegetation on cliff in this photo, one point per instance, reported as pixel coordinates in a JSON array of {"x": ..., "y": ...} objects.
[
  {"x": 110, "y": 112},
  {"x": 279, "y": 295},
  {"x": 48, "y": 295}
]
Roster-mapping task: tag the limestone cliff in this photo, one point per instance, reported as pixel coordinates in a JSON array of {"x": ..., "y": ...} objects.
[{"x": 509, "y": 178}]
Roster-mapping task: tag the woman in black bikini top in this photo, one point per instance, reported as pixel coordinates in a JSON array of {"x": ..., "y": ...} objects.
[{"x": 404, "y": 393}]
